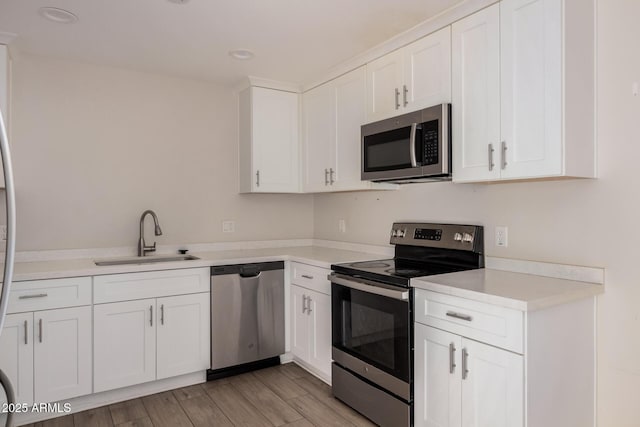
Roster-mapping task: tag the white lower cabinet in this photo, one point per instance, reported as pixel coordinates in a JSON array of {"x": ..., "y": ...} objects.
[
  {"x": 47, "y": 354},
  {"x": 518, "y": 375},
  {"x": 461, "y": 382},
  {"x": 144, "y": 340},
  {"x": 124, "y": 344},
  {"x": 311, "y": 329},
  {"x": 16, "y": 355},
  {"x": 183, "y": 335}
]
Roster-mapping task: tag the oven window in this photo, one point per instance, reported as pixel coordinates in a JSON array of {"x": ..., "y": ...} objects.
[
  {"x": 388, "y": 150},
  {"x": 372, "y": 328}
]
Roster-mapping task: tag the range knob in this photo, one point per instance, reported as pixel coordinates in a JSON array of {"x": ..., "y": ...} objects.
[
  {"x": 467, "y": 238},
  {"x": 457, "y": 237},
  {"x": 394, "y": 233},
  {"x": 402, "y": 233}
]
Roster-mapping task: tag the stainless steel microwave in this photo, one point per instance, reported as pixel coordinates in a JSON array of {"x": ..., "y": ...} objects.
[{"x": 414, "y": 147}]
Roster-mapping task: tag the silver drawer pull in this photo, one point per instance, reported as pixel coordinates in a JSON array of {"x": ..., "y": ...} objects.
[
  {"x": 307, "y": 277},
  {"x": 32, "y": 296},
  {"x": 455, "y": 315}
]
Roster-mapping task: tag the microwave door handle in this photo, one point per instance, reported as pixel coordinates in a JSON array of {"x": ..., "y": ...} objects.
[{"x": 412, "y": 145}]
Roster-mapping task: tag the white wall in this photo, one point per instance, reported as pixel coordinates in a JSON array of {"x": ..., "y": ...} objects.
[
  {"x": 591, "y": 222},
  {"x": 94, "y": 147}
]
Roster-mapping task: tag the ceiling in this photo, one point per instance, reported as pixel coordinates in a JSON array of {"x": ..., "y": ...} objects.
[{"x": 293, "y": 40}]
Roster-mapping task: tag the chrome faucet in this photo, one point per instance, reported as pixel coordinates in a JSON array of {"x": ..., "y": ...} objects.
[{"x": 142, "y": 247}]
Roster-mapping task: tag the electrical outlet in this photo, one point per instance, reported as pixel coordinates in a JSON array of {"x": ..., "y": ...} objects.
[
  {"x": 228, "y": 226},
  {"x": 502, "y": 236},
  {"x": 342, "y": 226}
]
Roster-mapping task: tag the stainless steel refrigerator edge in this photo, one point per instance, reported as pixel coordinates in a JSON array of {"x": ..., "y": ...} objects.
[{"x": 247, "y": 313}]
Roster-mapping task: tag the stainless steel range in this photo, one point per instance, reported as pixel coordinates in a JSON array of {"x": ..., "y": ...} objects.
[{"x": 372, "y": 316}]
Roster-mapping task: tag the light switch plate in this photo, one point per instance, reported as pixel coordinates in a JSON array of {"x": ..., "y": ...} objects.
[{"x": 228, "y": 226}]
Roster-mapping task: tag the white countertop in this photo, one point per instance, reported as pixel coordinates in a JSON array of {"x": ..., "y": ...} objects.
[
  {"x": 526, "y": 292},
  {"x": 314, "y": 255}
]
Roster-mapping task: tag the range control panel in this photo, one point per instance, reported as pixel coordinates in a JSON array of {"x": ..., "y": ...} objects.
[{"x": 451, "y": 236}]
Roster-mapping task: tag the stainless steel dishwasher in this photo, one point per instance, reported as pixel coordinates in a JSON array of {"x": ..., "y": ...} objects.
[{"x": 247, "y": 317}]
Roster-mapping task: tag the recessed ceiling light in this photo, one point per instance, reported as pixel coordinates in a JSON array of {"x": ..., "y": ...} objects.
[
  {"x": 179, "y": 1},
  {"x": 241, "y": 54},
  {"x": 55, "y": 14}
]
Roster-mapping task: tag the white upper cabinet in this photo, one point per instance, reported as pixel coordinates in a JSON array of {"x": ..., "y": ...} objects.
[
  {"x": 268, "y": 141},
  {"x": 332, "y": 116},
  {"x": 5, "y": 93},
  {"x": 476, "y": 96},
  {"x": 538, "y": 121},
  {"x": 414, "y": 77}
]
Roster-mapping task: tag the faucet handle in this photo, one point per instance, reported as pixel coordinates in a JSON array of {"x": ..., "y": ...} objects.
[
  {"x": 183, "y": 251},
  {"x": 151, "y": 248}
]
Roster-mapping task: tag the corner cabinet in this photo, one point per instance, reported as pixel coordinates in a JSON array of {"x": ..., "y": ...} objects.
[
  {"x": 269, "y": 141},
  {"x": 409, "y": 79},
  {"x": 523, "y": 91},
  {"x": 332, "y": 116},
  {"x": 310, "y": 317},
  {"x": 477, "y": 364}
]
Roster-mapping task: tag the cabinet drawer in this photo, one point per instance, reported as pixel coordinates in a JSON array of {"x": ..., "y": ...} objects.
[
  {"x": 51, "y": 293},
  {"x": 497, "y": 326},
  {"x": 151, "y": 284},
  {"x": 311, "y": 277}
]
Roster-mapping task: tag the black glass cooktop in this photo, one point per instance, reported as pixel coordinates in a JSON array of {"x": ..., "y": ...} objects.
[{"x": 392, "y": 271}]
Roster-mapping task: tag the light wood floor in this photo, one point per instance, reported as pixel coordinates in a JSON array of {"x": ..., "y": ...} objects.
[{"x": 283, "y": 395}]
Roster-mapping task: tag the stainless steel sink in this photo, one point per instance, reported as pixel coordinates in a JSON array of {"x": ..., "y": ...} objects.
[{"x": 144, "y": 260}]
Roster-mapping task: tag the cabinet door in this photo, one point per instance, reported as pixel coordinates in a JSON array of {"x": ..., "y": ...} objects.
[
  {"x": 183, "y": 335},
  {"x": 493, "y": 388},
  {"x": 350, "y": 91},
  {"x": 319, "y": 312},
  {"x": 319, "y": 108},
  {"x": 275, "y": 140},
  {"x": 62, "y": 353},
  {"x": 16, "y": 355},
  {"x": 427, "y": 71},
  {"x": 476, "y": 96},
  {"x": 124, "y": 344},
  {"x": 438, "y": 390},
  {"x": 384, "y": 86},
  {"x": 531, "y": 49},
  {"x": 299, "y": 323}
]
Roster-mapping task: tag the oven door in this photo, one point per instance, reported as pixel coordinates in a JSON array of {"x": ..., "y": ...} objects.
[{"x": 371, "y": 332}]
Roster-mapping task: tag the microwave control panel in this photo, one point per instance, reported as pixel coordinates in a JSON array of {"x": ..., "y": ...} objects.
[{"x": 430, "y": 141}]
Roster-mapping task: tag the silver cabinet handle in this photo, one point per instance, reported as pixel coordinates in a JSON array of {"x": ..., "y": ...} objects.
[
  {"x": 412, "y": 145},
  {"x": 33, "y": 296},
  {"x": 455, "y": 315},
  {"x": 405, "y": 92},
  {"x": 504, "y": 154},
  {"x": 452, "y": 355},
  {"x": 465, "y": 370},
  {"x": 397, "y": 98},
  {"x": 491, "y": 150},
  {"x": 309, "y": 305},
  {"x": 162, "y": 314},
  {"x": 258, "y": 178},
  {"x": 326, "y": 177},
  {"x": 307, "y": 277},
  {"x": 26, "y": 339},
  {"x": 150, "y": 315},
  {"x": 304, "y": 304},
  {"x": 331, "y": 172},
  {"x": 40, "y": 330}
]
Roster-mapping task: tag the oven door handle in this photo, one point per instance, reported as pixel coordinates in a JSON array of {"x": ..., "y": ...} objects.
[
  {"x": 412, "y": 145},
  {"x": 369, "y": 288}
]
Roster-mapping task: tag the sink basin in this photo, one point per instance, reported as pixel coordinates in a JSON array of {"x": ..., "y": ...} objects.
[{"x": 145, "y": 260}]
